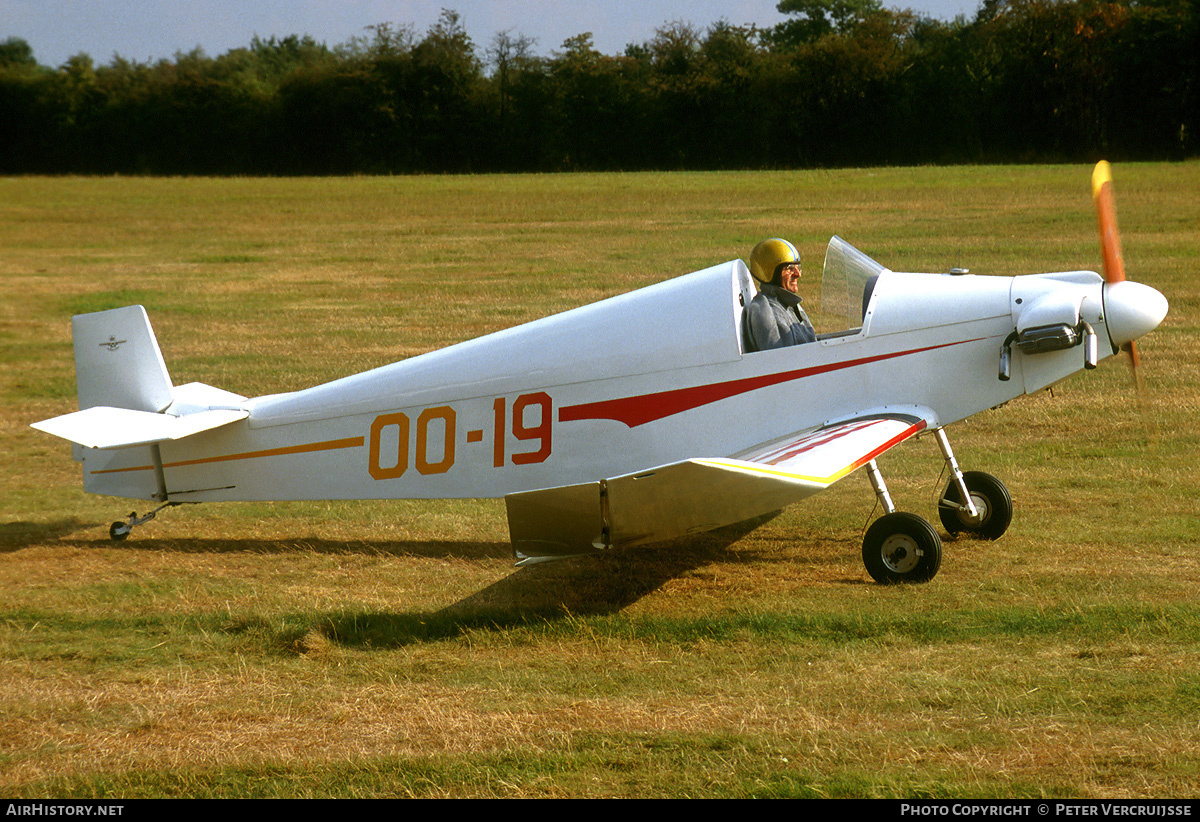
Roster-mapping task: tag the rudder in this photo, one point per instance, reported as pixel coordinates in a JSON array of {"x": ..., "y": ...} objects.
[{"x": 118, "y": 362}]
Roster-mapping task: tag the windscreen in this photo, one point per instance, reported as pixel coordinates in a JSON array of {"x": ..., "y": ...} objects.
[{"x": 846, "y": 281}]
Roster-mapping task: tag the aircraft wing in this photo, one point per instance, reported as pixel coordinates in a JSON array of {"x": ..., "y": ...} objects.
[{"x": 698, "y": 494}]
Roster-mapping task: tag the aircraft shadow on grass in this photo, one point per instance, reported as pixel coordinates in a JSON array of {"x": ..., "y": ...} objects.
[
  {"x": 590, "y": 585},
  {"x": 539, "y": 593},
  {"x": 17, "y": 535}
]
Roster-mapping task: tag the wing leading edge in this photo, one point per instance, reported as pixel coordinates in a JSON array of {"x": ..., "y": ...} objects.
[{"x": 698, "y": 494}]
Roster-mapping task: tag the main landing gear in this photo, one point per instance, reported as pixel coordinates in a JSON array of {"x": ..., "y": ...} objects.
[{"x": 903, "y": 547}]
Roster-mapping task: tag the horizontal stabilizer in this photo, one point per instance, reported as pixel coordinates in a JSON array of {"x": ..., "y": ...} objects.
[{"x": 105, "y": 427}]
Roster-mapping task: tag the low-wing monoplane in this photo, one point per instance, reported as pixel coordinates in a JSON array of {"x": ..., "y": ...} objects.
[{"x": 600, "y": 431}]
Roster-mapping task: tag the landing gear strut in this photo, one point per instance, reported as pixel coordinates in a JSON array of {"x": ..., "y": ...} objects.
[
  {"x": 974, "y": 503},
  {"x": 903, "y": 547}
]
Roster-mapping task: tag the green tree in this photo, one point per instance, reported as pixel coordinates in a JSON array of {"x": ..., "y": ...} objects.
[
  {"x": 585, "y": 104},
  {"x": 446, "y": 98},
  {"x": 16, "y": 54},
  {"x": 28, "y": 109},
  {"x": 813, "y": 19},
  {"x": 520, "y": 83}
]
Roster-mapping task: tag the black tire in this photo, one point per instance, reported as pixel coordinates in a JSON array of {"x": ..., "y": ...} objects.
[
  {"x": 991, "y": 499},
  {"x": 902, "y": 547},
  {"x": 119, "y": 530}
]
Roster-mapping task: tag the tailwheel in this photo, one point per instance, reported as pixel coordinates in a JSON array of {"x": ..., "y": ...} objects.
[
  {"x": 121, "y": 530},
  {"x": 992, "y": 504},
  {"x": 902, "y": 547}
]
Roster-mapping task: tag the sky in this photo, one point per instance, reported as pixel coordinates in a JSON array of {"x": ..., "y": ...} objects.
[{"x": 150, "y": 30}]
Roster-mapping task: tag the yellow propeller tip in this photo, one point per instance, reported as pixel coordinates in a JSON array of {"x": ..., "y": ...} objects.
[{"x": 1101, "y": 174}]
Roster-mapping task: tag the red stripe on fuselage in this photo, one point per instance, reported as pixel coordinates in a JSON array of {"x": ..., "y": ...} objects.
[{"x": 639, "y": 410}]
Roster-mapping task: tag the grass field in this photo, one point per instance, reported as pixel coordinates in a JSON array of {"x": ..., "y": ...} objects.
[{"x": 391, "y": 649}]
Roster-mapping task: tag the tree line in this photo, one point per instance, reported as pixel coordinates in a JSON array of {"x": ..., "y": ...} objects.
[{"x": 840, "y": 82}]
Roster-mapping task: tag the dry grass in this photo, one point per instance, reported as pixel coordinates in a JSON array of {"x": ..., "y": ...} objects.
[{"x": 377, "y": 649}]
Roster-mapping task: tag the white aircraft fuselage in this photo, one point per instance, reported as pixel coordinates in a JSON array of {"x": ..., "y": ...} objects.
[
  {"x": 639, "y": 380},
  {"x": 640, "y": 418}
]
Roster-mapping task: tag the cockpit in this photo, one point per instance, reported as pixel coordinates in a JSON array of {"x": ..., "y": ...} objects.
[{"x": 843, "y": 295}]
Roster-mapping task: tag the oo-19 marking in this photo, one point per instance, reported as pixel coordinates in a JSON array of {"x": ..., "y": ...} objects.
[{"x": 396, "y": 444}]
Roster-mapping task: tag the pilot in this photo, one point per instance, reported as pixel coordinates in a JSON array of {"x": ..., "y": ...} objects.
[{"x": 775, "y": 318}]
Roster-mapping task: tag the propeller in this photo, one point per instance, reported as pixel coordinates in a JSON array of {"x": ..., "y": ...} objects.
[{"x": 1110, "y": 246}]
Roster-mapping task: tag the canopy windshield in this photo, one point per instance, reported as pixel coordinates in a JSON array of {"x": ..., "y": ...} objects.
[{"x": 847, "y": 281}]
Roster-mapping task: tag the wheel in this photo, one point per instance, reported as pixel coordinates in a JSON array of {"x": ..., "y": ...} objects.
[
  {"x": 991, "y": 501},
  {"x": 902, "y": 547},
  {"x": 119, "y": 530}
]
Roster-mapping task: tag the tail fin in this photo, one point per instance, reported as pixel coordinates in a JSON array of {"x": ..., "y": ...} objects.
[
  {"x": 124, "y": 388},
  {"x": 127, "y": 405},
  {"x": 117, "y": 361}
]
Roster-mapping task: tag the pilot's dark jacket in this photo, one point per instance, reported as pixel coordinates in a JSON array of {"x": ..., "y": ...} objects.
[{"x": 775, "y": 319}]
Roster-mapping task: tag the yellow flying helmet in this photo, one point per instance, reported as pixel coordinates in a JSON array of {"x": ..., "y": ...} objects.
[{"x": 768, "y": 255}]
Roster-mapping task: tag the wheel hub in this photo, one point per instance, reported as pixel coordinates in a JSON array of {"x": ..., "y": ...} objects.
[
  {"x": 981, "y": 508},
  {"x": 900, "y": 553}
]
